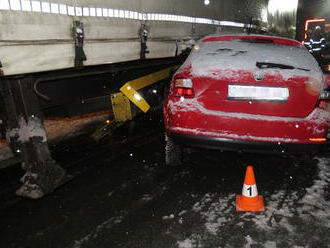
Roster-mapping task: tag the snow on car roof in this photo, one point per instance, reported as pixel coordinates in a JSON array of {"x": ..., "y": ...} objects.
[
  {"x": 254, "y": 38},
  {"x": 213, "y": 59}
]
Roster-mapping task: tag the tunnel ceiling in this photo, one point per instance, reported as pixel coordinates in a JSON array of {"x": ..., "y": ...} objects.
[{"x": 233, "y": 10}]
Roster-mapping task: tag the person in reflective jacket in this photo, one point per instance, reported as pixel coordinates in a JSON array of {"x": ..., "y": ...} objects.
[{"x": 316, "y": 43}]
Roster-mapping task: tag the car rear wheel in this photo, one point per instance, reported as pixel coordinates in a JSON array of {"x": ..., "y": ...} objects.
[{"x": 173, "y": 152}]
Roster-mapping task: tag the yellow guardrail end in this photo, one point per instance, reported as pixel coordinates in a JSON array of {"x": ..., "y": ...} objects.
[
  {"x": 130, "y": 89},
  {"x": 152, "y": 78},
  {"x": 135, "y": 97},
  {"x": 121, "y": 107}
]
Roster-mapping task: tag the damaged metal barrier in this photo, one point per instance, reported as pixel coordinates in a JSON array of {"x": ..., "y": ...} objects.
[
  {"x": 121, "y": 101},
  {"x": 27, "y": 138}
]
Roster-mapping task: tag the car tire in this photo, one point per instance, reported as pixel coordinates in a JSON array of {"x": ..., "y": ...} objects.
[{"x": 173, "y": 152}]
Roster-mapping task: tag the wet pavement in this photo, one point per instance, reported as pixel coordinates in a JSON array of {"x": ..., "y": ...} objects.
[{"x": 123, "y": 195}]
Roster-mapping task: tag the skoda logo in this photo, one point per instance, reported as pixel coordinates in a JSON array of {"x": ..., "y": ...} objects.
[{"x": 258, "y": 75}]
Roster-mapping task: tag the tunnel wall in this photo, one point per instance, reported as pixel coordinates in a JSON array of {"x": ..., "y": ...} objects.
[{"x": 34, "y": 40}]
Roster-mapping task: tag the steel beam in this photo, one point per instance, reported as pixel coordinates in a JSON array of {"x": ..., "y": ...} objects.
[{"x": 26, "y": 136}]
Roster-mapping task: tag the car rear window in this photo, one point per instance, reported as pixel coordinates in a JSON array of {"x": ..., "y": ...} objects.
[
  {"x": 254, "y": 39},
  {"x": 237, "y": 55}
]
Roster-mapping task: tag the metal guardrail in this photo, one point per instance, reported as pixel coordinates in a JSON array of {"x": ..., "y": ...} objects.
[{"x": 121, "y": 101}]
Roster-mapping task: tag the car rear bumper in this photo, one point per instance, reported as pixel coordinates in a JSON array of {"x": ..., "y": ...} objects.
[
  {"x": 245, "y": 146},
  {"x": 190, "y": 118}
]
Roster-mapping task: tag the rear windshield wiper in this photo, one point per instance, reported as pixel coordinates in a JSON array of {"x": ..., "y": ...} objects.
[{"x": 265, "y": 65}]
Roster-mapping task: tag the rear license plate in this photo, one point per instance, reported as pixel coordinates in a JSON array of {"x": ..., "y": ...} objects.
[{"x": 243, "y": 92}]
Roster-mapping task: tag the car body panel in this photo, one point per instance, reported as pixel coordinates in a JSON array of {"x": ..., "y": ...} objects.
[
  {"x": 220, "y": 61},
  {"x": 189, "y": 117}
]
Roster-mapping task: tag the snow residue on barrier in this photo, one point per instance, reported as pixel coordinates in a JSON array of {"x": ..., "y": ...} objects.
[
  {"x": 57, "y": 129},
  {"x": 28, "y": 129},
  {"x": 291, "y": 219}
]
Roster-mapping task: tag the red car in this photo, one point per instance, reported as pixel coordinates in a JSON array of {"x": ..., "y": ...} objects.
[{"x": 247, "y": 93}]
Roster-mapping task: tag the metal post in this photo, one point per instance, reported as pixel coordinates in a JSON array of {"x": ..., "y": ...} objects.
[
  {"x": 79, "y": 36},
  {"x": 144, "y": 32},
  {"x": 26, "y": 136}
]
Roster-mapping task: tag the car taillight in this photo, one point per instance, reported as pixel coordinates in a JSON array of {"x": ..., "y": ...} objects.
[
  {"x": 183, "y": 87},
  {"x": 324, "y": 99}
]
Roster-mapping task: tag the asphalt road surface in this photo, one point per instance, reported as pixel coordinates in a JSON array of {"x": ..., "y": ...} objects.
[{"x": 122, "y": 195}]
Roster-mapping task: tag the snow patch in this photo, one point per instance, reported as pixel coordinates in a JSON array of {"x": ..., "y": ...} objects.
[
  {"x": 27, "y": 129},
  {"x": 249, "y": 242},
  {"x": 185, "y": 105},
  {"x": 313, "y": 204},
  {"x": 187, "y": 243},
  {"x": 182, "y": 212},
  {"x": 94, "y": 234},
  {"x": 290, "y": 219},
  {"x": 169, "y": 217},
  {"x": 215, "y": 214},
  {"x": 146, "y": 197}
]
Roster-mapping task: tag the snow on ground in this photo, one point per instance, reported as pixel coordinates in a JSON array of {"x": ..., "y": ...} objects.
[
  {"x": 209, "y": 208},
  {"x": 187, "y": 243},
  {"x": 289, "y": 220},
  {"x": 59, "y": 129}
]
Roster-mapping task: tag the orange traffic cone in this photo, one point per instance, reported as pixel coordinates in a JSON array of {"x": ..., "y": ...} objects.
[{"x": 249, "y": 201}]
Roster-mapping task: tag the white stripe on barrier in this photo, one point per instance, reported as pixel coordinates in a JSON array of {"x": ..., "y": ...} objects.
[{"x": 63, "y": 9}]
